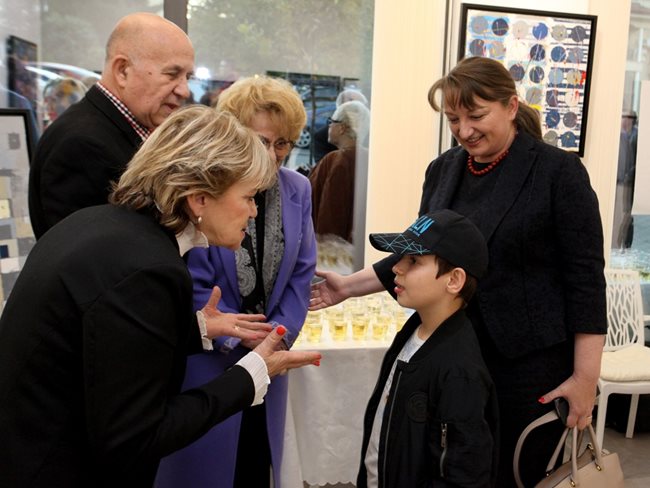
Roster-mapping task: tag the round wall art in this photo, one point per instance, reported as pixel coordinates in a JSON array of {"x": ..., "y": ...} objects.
[{"x": 549, "y": 56}]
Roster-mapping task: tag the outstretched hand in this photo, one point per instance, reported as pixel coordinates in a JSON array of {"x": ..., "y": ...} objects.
[
  {"x": 328, "y": 292},
  {"x": 248, "y": 327},
  {"x": 278, "y": 361}
]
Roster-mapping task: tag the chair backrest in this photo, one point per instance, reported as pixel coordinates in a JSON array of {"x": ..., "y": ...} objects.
[{"x": 624, "y": 309}]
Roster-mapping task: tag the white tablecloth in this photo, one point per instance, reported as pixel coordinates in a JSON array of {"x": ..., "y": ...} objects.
[{"x": 325, "y": 413}]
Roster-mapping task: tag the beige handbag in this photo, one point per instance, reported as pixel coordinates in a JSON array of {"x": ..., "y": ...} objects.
[{"x": 591, "y": 469}]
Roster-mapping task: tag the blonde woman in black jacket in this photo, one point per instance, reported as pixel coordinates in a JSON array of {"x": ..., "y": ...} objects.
[{"x": 94, "y": 336}]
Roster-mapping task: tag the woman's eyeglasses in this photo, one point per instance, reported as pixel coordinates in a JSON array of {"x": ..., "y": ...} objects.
[
  {"x": 331, "y": 121},
  {"x": 279, "y": 145}
]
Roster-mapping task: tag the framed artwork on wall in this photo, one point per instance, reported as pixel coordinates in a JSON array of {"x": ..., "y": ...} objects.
[
  {"x": 16, "y": 235},
  {"x": 549, "y": 55}
]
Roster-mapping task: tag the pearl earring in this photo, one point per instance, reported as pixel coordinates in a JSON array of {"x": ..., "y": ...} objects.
[{"x": 199, "y": 220}]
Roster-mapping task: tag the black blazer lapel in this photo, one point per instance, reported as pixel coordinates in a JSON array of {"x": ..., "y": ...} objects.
[
  {"x": 508, "y": 186},
  {"x": 439, "y": 192},
  {"x": 104, "y": 105}
]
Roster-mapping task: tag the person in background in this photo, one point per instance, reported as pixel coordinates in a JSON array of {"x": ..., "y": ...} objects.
[
  {"x": 266, "y": 280},
  {"x": 210, "y": 97},
  {"x": 148, "y": 63},
  {"x": 59, "y": 95},
  {"x": 432, "y": 419},
  {"x": 95, "y": 333},
  {"x": 322, "y": 144},
  {"x": 539, "y": 312},
  {"x": 625, "y": 180},
  {"x": 333, "y": 179}
]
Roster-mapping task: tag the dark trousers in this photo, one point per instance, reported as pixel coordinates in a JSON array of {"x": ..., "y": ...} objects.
[
  {"x": 253, "y": 452},
  {"x": 520, "y": 382}
]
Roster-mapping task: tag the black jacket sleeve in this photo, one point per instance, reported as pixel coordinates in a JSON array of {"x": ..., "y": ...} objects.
[
  {"x": 467, "y": 458},
  {"x": 134, "y": 338}
]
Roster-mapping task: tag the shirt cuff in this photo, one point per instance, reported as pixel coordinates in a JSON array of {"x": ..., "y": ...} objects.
[
  {"x": 203, "y": 328},
  {"x": 256, "y": 367}
]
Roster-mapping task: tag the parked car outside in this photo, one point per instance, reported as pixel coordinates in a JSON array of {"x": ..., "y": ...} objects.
[{"x": 316, "y": 119}]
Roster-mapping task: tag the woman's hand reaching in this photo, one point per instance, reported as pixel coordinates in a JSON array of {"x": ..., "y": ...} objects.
[
  {"x": 279, "y": 361},
  {"x": 248, "y": 327}
]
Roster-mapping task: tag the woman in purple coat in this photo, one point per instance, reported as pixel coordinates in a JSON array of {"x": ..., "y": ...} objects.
[{"x": 266, "y": 280}]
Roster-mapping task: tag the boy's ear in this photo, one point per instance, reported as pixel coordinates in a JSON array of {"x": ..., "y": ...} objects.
[{"x": 456, "y": 280}]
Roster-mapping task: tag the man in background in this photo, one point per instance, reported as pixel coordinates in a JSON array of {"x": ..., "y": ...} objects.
[
  {"x": 149, "y": 61},
  {"x": 623, "y": 236}
]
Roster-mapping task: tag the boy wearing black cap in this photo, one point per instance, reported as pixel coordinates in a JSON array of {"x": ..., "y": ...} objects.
[{"x": 432, "y": 418}]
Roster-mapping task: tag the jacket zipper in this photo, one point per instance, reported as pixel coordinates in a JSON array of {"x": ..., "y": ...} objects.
[
  {"x": 390, "y": 417},
  {"x": 443, "y": 444}
]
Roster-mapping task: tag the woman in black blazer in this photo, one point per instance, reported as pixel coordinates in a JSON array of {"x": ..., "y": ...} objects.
[
  {"x": 94, "y": 335},
  {"x": 540, "y": 310}
]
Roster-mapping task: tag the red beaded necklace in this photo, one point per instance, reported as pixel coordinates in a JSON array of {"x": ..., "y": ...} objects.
[{"x": 488, "y": 168}]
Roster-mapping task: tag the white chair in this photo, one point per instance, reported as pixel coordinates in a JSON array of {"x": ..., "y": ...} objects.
[{"x": 626, "y": 361}]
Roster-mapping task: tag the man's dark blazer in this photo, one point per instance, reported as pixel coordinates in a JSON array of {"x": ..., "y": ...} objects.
[
  {"x": 542, "y": 223},
  {"x": 93, "y": 343},
  {"x": 76, "y": 159}
]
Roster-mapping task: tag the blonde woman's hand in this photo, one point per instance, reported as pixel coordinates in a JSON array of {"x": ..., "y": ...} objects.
[
  {"x": 279, "y": 361},
  {"x": 248, "y": 327}
]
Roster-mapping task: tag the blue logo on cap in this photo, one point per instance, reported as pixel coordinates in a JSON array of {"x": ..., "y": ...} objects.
[{"x": 421, "y": 225}]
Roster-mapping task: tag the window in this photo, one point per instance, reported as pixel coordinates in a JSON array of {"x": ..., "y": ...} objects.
[{"x": 631, "y": 232}]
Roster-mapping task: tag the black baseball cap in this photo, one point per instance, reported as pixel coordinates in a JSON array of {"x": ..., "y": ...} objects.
[{"x": 444, "y": 233}]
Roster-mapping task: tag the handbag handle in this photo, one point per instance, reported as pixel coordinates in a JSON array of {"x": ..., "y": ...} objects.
[{"x": 545, "y": 419}]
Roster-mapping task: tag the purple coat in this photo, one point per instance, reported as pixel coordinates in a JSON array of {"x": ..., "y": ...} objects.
[{"x": 210, "y": 461}]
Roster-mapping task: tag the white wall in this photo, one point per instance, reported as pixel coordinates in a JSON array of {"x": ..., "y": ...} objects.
[
  {"x": 605, "y": 104},
  {"x": 408, "y": 58},
  {"x": 18, "y": 18}
]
